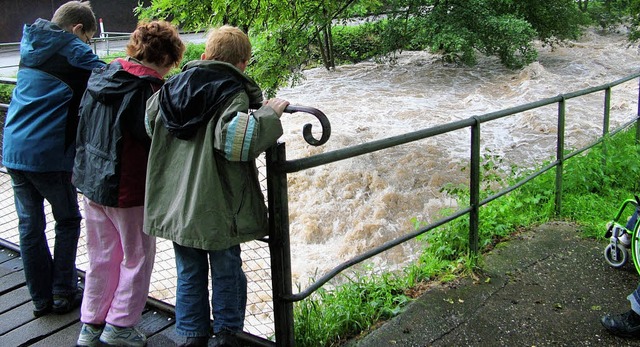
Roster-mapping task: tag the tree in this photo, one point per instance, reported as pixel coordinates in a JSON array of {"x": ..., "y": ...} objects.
[
  {"x": 289, "y": 34},
  {"x": 284, "y": 30}
]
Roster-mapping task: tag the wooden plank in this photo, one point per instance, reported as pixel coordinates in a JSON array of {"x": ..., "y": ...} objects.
[
  {"x": 15, "y": 317},
  {"x": 6, "y": 254},
  {"x": 152, "y": 323},
  {"x": 165, "y": 338},
  {"x": 11, "y": 265},
  {"x": 65, "y": 337},
  {"x": 169, "y": 338},
  {"x": 14, "y": 298},
  {"x": 12, "y": 281},
  {"x": 33, "y": 330}
]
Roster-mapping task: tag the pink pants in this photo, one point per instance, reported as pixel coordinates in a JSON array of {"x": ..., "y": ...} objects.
[{"x": 121, "y": 259}]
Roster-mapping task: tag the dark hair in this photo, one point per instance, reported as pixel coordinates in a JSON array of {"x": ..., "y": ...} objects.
[{"x": 156, "y": 42}]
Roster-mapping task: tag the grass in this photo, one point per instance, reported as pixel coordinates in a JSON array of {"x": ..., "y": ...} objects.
[{"x": 594, "y": 186}]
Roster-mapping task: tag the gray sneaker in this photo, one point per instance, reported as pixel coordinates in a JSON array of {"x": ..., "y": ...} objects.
[
  {"x": 112, "y": 335},
  {"x": 89, "y": 335}
]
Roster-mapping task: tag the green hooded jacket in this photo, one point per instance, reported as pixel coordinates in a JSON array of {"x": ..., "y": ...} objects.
[{"x": 202, "y": 183}]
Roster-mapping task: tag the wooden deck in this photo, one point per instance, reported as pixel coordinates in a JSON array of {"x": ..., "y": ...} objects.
[{"x": 18, "y": 326}]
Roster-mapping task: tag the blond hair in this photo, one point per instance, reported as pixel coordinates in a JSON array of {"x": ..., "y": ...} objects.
[
  {"x": 228, "y": 44},
  {"x": 76, "y": 12}
]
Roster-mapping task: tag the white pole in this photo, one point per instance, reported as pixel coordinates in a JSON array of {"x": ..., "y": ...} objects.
[{"x": 101, "y": 29}]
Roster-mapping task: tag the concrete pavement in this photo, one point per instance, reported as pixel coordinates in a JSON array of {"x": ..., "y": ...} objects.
[{"x": 544, "y": 287}]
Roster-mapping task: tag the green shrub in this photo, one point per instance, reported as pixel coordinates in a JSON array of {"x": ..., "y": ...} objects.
[
  {"x": 193, "y": 52},
  {"x": 5, "y": 93},
  {"x": 356, "y": 43}
]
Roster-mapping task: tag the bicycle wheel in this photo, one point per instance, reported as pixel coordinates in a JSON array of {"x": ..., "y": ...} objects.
[{"x": 635, "y": 249}]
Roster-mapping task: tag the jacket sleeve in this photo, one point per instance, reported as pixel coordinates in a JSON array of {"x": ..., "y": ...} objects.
[
  {"x": 242, "y": 135},
  {"x": 80, "y": 55},
  {"x": 151, "y": 113}
]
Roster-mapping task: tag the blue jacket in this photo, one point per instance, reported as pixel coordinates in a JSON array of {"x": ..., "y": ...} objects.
[{"x": 40, "y": 129}]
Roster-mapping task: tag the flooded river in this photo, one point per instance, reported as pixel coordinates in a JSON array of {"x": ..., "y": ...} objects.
[{"x": 343, "y": 209}]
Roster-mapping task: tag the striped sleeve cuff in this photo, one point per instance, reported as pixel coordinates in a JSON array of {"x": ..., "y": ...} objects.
[{"x": 239, "y": 137}]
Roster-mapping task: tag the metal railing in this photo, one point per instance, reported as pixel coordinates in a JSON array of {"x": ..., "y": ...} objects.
[
  {"x": 278, "y": 167},
  {"x": 107, "y": 37}
]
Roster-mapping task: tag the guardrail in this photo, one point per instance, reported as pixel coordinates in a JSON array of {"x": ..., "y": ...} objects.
[
  {"x": 278, "y": 168},
  {"x": 107, "y": 37}
]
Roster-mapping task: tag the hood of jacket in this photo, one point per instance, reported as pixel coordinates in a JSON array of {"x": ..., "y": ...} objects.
[
  {"x": 41, "y": 40},
  {"x": 110, "y": 83},
  {"x": 191, "y": 98}
]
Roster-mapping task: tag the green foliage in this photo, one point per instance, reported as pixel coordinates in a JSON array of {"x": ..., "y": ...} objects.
[
  {"x": 552, "y": 20},
  {"x": 510, "y": 39},
  {"x": 604, "y": 17},
  {"x": 290, "y": 35},
  {"x": 617, "y": 165},
  {"x": 5, "y": 93},
  {"x": 273, "y": 53},
  {"x": 634, "y": 22},
  {"x": 608, "y": 14},
  {"x": 594, "y": 185},
  {"x": 357, "y": 43},
  {"x": 193, "y": 52},
  {"x": 598, "y": 183},
  {"x": 612, "y": 14},
  {"x": 499, "y": 218},
  {"x": 327, "y": 317}
]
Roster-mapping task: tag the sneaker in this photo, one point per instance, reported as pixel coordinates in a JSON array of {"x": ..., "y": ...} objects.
[
  {"x": 113, "y": 335},
  {"x": 624, "y": 325},
  {"x": 66, "y": 303},
  {"x": 225, "y": 339},
  {"x": 89, "y": 335},
  {"x": 39, "y": 311},
  {"x": 198, "y": 341}
]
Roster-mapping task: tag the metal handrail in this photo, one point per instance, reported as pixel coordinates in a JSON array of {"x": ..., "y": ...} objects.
[{"x": 278, "y": 167}]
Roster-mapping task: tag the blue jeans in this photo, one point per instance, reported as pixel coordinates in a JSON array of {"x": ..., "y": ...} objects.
[
  {"x": 47, "y": 276},
  {"x": 631, "y": 223},
  {"x": 634, "y": 299},
  {"x": 229, "y": 283}
]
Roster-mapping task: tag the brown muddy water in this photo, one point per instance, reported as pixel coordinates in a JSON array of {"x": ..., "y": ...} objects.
[{"x": 343, "y": 209}]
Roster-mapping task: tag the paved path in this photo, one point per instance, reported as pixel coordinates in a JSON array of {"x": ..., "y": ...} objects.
[{"x": 546, "y": 287}]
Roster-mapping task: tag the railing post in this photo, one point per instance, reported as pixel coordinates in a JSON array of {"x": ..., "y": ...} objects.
[
  {"x": 474, "y": 190},
  {"x": 108, "y": 42},
  {"x": 279, "y": 246},
  {"x": 607, "y": 112},
  {"x": 638, "y": 116},
  {"x": 605, "y": 123},
  {"x": 560, "y": 156}
]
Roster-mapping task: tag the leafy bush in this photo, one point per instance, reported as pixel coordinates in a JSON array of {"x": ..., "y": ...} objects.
[
  {"x": 356, "y": 43},
  {"x": 193, "y": 52},
  {"x": 5, "y": 93}
]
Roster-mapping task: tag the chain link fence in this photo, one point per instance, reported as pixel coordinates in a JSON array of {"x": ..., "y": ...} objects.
[{"x": 256, "y": 261}]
